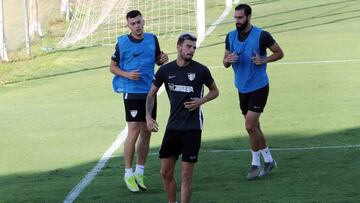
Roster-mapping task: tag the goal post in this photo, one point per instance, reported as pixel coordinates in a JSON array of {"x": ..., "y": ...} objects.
[{"x": 99, "y": 22}]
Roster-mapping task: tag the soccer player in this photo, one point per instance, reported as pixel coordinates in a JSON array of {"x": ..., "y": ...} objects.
[
  {"x": 184, "y": 81},
  {"x": 133, "y": 66},
  {"x": 245, "y": 50}
]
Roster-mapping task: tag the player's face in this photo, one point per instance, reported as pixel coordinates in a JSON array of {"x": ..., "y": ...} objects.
[
  {"x": 136, "y": 25},
  {"x": 187, "y": 50},
  {"x": 241, "y": 20}
]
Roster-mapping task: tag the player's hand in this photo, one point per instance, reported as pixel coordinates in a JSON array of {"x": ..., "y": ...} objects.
[
  {"x": 257, "y": 59},
  {"x": 193, "y": 104},
  {"x": 163, "y": 58},
  {"x": 152, "y": 125},
  {"x": 133, "y": 75},
  {"x": 231, "y": 58}
]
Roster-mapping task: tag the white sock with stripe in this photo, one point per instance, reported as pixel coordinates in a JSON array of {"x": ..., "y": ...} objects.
[
  {"x": 255, "y": 158},
  {"x": 266, "y": 155}
]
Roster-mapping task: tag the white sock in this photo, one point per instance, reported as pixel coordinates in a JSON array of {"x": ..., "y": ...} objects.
[
  {"x": 139, "y": 169},
  {"x": 266, "y": 155},
  {"x": 128, "y": 172},
  {"x": 255, "y": 158}
]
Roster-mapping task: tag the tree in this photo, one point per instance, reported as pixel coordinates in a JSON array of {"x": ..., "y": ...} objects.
[
  {"x": 26, "y": 22},
  {"x": 34, "y": 19},
  {"x": 3, "y": 52},
  {"x": 65, "y": 9}
]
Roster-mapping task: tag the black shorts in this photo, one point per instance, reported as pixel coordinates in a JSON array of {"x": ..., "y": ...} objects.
[
  {"x": 135, "y": 110},
  {"x": 185, "y": 142},
  {"x": 254, "y": 101}
]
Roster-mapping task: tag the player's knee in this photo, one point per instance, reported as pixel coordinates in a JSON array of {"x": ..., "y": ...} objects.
[
  {"x": 250, "y": 127},
  {"x": 186, "y": 176},
  {"x": 166, "y": 174}
]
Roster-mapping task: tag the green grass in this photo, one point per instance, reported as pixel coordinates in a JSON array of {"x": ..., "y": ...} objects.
[{"x": 54, "y": 129}]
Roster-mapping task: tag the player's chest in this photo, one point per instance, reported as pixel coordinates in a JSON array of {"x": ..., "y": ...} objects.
[{"x": 183, "y": 77}]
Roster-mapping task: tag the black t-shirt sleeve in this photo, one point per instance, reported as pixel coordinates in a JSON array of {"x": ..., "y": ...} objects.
[
  {"x": 207, "y": 77},
  {"x": 266, "y": 41},
  {"x": 159, "y": 78},
  {"x": 227, "y": 44},
  {"x": 157, "y": 47},
  {"x": 116, "y": 56}
]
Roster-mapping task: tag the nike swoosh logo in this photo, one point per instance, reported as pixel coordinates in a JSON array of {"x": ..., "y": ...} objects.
[
  {"x": 171, "y": 76},
  {"x": 137, "y": 54}
]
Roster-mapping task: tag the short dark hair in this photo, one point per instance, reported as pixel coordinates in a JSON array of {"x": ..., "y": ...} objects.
[
  {"x": 185, "y": 36},
  {"x": 133, "y": 14},
  {"x": 245, "y": 7}
]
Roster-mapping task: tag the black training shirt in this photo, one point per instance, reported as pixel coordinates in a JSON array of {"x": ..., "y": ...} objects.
[{"x": 182, "y": 84}]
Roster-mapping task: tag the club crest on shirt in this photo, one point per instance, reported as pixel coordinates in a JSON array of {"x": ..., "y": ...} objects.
[
  {"x": 191, "y": 76},
  {"x": 133, "y": 113}
]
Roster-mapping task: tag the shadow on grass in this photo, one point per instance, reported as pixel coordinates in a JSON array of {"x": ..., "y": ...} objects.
[{"x": 320, "y": 175}]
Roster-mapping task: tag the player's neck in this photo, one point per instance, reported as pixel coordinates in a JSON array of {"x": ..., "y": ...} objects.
[
  {"x": 138, "y": 37},
  {"x": 181, "y": 62},
  {"x": 247, "y": 29}
]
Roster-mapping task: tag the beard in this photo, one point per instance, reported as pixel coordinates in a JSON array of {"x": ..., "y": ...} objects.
[
  {"x": 242, "y": 27},
  {"x": 186, "y": 57}
]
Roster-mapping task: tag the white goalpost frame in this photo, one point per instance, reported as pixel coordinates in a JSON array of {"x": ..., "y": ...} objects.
[
  {"x": 200, "y": 16},
  {"x": 3, "y": 51}
]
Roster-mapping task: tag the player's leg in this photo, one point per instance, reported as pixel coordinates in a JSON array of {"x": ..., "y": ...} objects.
[
  {"x": 254, "y": 170},
  {"x": 190, "y": 152},
  {"x": 169, "y": 153},
  {"x": 167, "y": 174},
  {"x": 142, "y": 147},
  {"x": 132, "y": 117},
  {"x": 251, "y": 123},
  {"x": 257, "y": 104},
  {"x": 187, "y": 181},
  {"x": 142, "y": 150},
  {"x": 129, "y": 148}
]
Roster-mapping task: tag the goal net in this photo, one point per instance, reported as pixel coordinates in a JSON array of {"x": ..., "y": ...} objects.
[{"x": 98, "y": 22}]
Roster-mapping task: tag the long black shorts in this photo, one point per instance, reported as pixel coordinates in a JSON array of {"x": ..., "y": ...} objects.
[
  {"x": 254, "y": 101},
  {"x": 185, "y": 142},
  {"x": 135, "y": 110}
]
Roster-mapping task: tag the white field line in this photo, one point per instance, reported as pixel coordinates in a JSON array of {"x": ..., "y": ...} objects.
[
  {"x": 75, "y": 192},
  {"x": 303, "y": 62},
  {"x": 219, "y": 20},
  {"x": 271, "y": 149},
  {"x": 287, "y": 148}
]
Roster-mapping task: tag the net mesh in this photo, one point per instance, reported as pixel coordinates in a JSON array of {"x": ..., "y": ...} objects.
[{"x": 98, "y": 22}]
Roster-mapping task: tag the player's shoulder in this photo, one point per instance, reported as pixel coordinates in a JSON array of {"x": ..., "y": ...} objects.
[
  {"x": 198, "y": 65},
  {"x": 168, "y": 66}
]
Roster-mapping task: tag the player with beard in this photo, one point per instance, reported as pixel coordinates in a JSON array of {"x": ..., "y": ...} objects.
[
  {"x": 184, "y": 81},
  {"x": 245, "y": 51}
]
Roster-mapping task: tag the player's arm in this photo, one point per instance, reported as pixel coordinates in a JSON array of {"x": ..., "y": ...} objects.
[
  {"x": 132, "y": 75},
  {"x": 117, "y": 70},
  {"x": 267, "y": 41},
  {"x": 195, "y": 103},
  {"x": 277, "y": 54},
  {"x": 160, "y": 57},
  {"x": 150, "y": 102},
  {"x": 229, "y": 57}
]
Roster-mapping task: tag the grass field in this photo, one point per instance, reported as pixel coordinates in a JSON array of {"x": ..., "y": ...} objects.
[{"x": 54, "y": 129}]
